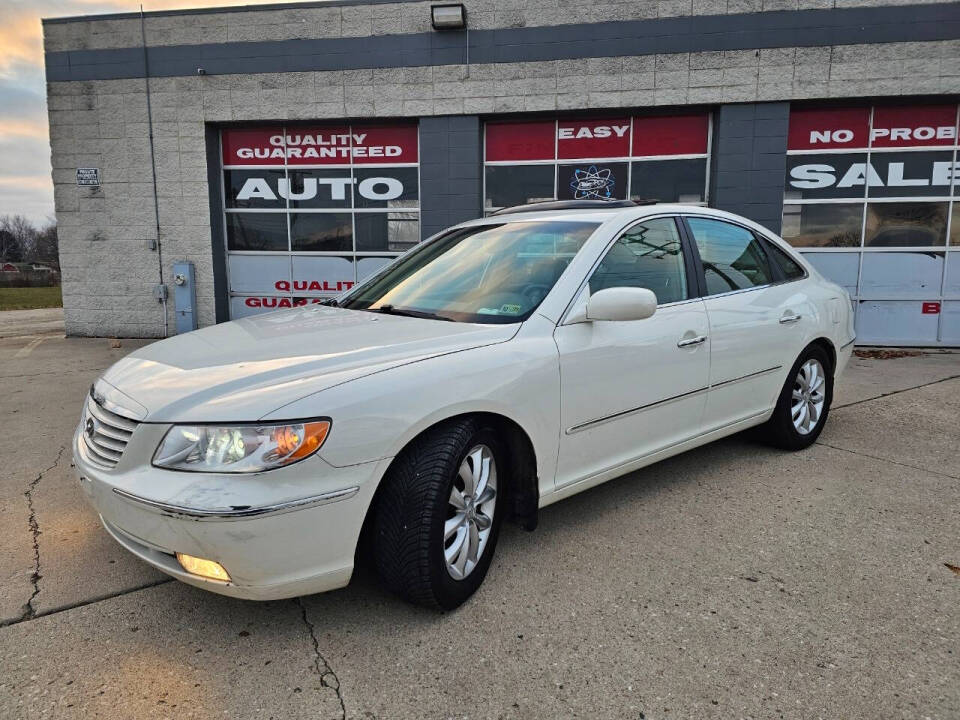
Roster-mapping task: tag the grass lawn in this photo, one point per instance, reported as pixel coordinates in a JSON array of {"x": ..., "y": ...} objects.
[{"x": 29, "y": 298}]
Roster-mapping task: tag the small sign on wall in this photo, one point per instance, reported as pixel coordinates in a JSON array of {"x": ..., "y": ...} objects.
[
  {"x": 88, "y": 177},
  {"x": 930, "y": 308}
]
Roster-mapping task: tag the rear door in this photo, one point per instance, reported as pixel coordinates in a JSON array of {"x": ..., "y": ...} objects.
[{"x": 757, "y": 321}]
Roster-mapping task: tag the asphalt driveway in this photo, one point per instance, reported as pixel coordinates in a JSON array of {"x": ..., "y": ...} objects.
[{"x": 734, "y": 581}]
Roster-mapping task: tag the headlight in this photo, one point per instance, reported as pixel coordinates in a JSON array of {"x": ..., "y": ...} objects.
[{"x": 239, "y": 448}]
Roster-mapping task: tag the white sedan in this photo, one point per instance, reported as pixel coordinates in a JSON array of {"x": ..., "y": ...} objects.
[{"x": 498, "y": 367}]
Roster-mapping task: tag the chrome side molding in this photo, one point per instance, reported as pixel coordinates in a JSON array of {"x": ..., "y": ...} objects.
[{"x": 239, "y": 513}]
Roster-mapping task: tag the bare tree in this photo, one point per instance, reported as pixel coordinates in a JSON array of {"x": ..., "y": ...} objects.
[
  {"x": 19, "y": 236},
  {"x": 46, "y": 247}
]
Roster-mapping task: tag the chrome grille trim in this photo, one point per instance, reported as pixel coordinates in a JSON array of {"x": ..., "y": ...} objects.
[{"x": 104, "y": 446}]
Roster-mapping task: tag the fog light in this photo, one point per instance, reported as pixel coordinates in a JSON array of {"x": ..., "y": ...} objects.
[{"x": 204, "y": 568}]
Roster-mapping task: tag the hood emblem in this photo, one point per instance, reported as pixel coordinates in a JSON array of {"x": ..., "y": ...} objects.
[{"x": 90, "y": 428}]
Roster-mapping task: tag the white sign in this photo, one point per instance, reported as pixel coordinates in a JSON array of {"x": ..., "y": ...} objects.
[{"x": 88, "y": 176}]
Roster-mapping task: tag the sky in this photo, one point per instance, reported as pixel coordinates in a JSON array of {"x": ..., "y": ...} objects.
[{"x": 25, "y": 184}]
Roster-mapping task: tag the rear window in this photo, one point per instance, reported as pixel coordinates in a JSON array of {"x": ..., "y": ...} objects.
[{"x": 791, "y": 268}]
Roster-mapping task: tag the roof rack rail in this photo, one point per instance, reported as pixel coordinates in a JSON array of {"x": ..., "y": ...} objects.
[{"x": 572, "y": 205}]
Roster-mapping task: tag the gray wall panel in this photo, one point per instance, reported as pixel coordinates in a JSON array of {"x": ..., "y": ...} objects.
[
  {"x": 450, "y": 171},
  {"x": 749, "y": 165}
]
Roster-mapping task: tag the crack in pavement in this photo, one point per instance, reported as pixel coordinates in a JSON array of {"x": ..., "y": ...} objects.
[
  {"x": 84, "y": 603},
  {"x": 28, "y": 610},
  {"x": 894, "y": 392},
  {"x": 887, "y": 460},
  {"x": 328, "y": 678}
]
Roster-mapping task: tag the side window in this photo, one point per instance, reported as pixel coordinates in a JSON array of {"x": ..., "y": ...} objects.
[
  {"x": 791, "y": 269},
  {"x": 648, "y": 255},
  {"x": 732, "y": 257}
]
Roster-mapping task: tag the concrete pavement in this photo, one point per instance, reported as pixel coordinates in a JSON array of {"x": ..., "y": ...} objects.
[
  {"x": 734, "y": 581},
  {"x": 39, "y": 322}
]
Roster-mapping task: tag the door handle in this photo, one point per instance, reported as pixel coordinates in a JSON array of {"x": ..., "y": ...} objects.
[
  {"x": 692, "y": 341},
  {"x": 789, "y": 319}
]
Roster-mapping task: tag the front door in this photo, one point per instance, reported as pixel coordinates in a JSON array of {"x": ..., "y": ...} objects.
[{"x": 628, "y": 389}]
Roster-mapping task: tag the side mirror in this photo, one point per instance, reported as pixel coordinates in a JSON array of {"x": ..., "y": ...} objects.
[{"x": 621, "y": 303}]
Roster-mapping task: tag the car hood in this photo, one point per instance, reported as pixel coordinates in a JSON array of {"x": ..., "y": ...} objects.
[{"x": 246, "y": 369}]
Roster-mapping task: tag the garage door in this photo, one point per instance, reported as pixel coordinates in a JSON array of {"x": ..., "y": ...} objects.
[
  {"x": 870, "y": 197},
  {"x": 309, "y": 210}
]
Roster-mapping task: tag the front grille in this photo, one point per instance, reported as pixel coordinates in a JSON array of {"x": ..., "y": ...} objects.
[{"x": 105, "y": 433}]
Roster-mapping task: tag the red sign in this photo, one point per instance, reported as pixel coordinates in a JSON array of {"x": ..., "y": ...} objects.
[
  {"x": 520, "y": 141},
  {"x": 829, "y": 129},
  {"x": 570, "y": 139},
  {"x": 914, "y": 126},
  {"x": 320, "y": 145},
  {"x": 892, "y": 127},
  {"x": 930, "y": 308},
  {"x": 678, "y": 135},
  {"x": 374, "y": 144},
  {"x": 593, "y": 138}
]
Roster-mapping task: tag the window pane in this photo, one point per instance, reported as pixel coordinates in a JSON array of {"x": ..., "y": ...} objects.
[
  {"x": 826, "y": 176},
  {"x": 911, "y": 224},
  {"x": 829, "y": 225},
  {"x": 791, "y": 270},
  {"x": 509, "y": 185},
  {"x": 669, "y": 180},
  {"x": 732, "y": 258},
  {"x": 319, "y": 188},
  {"x": 321, "y": 232},
  {"x": 388, "y": 232},
  {"x": 253, "y": 188},
  {"x": 648, "y": 255},
  {"x": 906, "y": 174},
  {"x": 386, "y": 188},
  {"x": 955, "y": 224},
  {"x": 592, "y": 181},
  {"x": 257, "y": 231}
]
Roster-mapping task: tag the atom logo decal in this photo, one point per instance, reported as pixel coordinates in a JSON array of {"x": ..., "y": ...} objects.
[{"x": 592, "y": 184}]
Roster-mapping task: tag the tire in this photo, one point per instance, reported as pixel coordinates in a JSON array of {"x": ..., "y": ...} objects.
[
  {"x": 415, "y": 506},
  {"x": 781, "y": 430}
]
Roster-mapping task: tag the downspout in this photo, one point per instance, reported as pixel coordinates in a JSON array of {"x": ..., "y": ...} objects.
[{"x": 155, "y": 245}]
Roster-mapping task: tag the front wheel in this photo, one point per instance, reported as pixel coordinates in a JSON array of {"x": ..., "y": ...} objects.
[
  {"x": 438, "y": 516},
  {"x": 804, "y": 402}
]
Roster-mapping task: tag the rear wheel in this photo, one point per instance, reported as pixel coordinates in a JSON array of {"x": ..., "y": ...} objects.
[
  {"x": 438, "y": 515},
  {"x": 804, "y": 402}
]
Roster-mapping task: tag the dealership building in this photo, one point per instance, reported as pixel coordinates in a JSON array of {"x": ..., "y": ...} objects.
[{"x": 212, "y": 164}]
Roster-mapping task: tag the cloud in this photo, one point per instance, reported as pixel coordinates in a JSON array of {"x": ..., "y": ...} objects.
[{"x": 25, "y": 184}]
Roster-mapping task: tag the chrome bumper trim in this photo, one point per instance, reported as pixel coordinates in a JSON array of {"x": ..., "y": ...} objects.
[{"x": 240, "y": 512}]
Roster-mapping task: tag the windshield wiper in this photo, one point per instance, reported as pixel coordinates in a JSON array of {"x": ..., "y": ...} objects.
[{"x": 406, "y": 312}]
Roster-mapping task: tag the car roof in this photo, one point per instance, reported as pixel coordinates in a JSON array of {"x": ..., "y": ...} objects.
[{"x": 612, "y": 215}]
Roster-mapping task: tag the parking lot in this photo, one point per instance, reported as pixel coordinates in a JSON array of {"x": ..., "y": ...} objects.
[{"x": 731, "y": 582}]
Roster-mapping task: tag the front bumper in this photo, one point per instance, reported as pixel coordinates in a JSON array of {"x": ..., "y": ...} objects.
[{"x": 283, "y": 533}]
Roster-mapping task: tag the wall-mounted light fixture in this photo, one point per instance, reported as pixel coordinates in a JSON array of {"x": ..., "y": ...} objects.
[{"x": 452, "y": 16}]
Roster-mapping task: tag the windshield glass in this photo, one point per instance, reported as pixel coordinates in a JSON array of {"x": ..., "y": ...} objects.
[{"x": 484, "y": 274}]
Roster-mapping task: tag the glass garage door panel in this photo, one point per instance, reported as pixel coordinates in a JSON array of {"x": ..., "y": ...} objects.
[
  {"x": 896, "y": 323},
  {"x": 841, "y": 268},
  {"x": 951, "y": 283},
  {"x": 950, "y": 322},
  {"x": 901, "y": 275},
  {"x": 258, "y": 273},
  {"x": 321, "y": 274}
]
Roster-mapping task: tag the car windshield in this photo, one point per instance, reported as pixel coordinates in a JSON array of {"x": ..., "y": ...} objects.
[{"x": 483, "y": 274}]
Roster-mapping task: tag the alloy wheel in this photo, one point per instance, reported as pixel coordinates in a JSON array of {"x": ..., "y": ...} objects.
[
  {"x": 473, "y": 501},
  {"x": 806, "y": 404}
]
